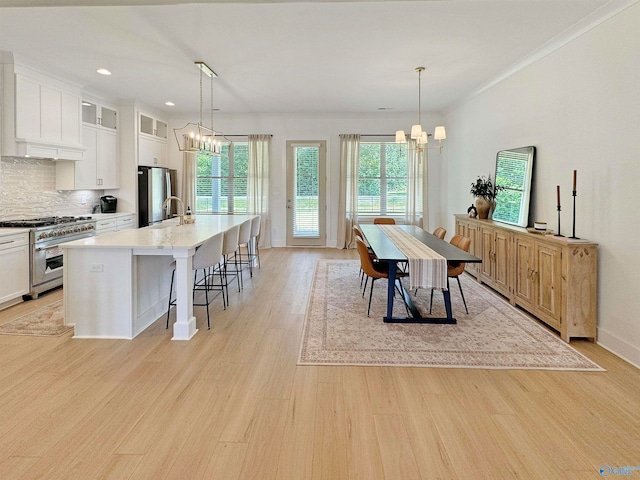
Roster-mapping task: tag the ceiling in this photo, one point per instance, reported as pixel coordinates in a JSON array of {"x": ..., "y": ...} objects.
[{"x": 287, "y": 56}]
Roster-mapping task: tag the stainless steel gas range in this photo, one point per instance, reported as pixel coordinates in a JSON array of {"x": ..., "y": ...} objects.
[{"x": 45, "y": 236}]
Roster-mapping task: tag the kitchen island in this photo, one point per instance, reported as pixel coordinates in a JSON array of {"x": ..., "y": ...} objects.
[{"x": 117, "y": 284}]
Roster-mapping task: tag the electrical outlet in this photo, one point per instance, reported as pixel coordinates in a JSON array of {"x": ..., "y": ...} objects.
[
  {"x": 97, "y": 267},
  {"x": 83, "y": 200}
]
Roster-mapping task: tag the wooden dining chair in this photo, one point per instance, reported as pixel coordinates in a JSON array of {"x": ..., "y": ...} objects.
[
  {"x": 384, "y": 221},
  {"x": 440, "y": 233},
  {"x": 373, "y": 270},
  {"x": 454, "y": 270},
  {"x": 358, "y": 233}
]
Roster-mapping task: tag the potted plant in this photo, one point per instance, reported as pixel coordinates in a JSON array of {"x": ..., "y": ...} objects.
[{"x": 485, "y": 193}]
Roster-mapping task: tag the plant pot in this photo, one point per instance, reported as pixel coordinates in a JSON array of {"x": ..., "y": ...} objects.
[{"x": 483, "y": 206}]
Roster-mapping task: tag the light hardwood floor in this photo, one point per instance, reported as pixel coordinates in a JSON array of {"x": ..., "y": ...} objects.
[{"x": 232, "y": 404}]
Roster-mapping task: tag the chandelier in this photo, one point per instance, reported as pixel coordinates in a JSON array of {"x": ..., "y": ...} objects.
[
  {"x": 417, "y": 133},
  {"x": 196, "y": 137}
]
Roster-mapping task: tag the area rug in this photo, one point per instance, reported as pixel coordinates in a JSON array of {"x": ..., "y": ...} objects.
[
  {"x": 44, "y": 322},
  {"x": 494, "y": 335}
]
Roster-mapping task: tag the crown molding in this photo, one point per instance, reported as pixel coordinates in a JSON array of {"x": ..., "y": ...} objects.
[{"x": 599, "y": 16}]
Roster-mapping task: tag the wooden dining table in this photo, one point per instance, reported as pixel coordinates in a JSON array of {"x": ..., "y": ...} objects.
[{"x": 386, "y": 250}]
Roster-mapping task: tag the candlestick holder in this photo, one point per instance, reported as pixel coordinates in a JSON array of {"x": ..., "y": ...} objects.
[
  {"x": 574, "y": 217},
  {"x": 558, "y": 234}
]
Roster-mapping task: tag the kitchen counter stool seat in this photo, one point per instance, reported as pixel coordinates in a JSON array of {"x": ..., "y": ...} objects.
[
  {"x": 229, "y": 248},
  {"x": 207, "y": 257},
  {"x": 254, "y": 253},
  {"x": 240, "y": 259}
]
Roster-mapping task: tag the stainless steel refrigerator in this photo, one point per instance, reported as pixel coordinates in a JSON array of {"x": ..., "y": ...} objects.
[{"x": 155, "y": 184}]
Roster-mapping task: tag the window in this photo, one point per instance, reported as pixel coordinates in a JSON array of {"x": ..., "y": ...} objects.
[
  {"x": 382, "y": 179},
  {"x": 221, "y": 185}
]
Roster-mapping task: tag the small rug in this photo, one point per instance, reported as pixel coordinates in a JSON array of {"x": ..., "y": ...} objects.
[
  {"x": 47, "y": 321},
  {"x": 494, "y": 335}
]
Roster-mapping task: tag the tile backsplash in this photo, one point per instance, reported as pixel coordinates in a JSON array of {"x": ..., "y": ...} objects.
[{"x": 28, "y": 190}]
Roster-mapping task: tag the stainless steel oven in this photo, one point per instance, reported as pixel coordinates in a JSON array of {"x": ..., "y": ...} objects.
[{"x": 46, "y": 260}]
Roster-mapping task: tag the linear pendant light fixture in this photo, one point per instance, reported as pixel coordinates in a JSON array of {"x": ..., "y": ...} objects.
[
  {"x": 195, "y": 137},
  {"x": 417, "y": 133}
]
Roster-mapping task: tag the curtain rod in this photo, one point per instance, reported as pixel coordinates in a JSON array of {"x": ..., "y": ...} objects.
[
  {"x": 237, "y": 135},
  {"x": 384, "y": 134}
]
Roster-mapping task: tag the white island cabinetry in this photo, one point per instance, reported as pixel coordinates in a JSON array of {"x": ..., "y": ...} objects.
[
  {"x": 14, "y": 258},
  {"x": 117, "y": 285}
]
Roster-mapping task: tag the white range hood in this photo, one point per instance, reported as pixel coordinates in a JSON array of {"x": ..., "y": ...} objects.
[{"x": 41, "y": 115}]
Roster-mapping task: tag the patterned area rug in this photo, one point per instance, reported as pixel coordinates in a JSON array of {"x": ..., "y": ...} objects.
[
  {"x": 44, "y": 322},
  {"x": 494, "y": 335}
]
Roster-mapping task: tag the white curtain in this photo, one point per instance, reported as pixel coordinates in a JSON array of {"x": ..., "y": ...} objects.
[
  {"x": 417, "y": 166},
  {"x": 258, "y": 184},
  {"x": 348, "y": 197},
  {"x": 189, "y": 173}
]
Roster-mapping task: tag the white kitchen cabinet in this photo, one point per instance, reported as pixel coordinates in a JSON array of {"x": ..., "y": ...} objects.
[
  {"x": 47, "y": 120},
  {"x": 152, "y": 141},
  {"x": 115, "y": 222},
  {"x": 14, "y": 258},
  {"x": 125, "y": 222},
  {"x": 152, "y": 152},
  {"x": 99, "y": 115},
  {"x": 106, "y": 225},
  {"x": 153, "y": 127},
  {"x": 98, "y": 169}
]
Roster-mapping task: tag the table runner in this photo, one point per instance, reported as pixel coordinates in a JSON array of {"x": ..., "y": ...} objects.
[{"x": 427, "y": 269}]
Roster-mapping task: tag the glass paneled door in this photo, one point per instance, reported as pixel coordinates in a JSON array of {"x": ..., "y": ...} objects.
[{"x": 306, "y": 193}]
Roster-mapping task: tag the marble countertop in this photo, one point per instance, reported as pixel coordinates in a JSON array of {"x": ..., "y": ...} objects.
[{"x": 166, "y": 235}]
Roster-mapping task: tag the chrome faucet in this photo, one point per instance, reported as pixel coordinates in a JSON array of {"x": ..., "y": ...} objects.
[{"x": 180, "y": 211}]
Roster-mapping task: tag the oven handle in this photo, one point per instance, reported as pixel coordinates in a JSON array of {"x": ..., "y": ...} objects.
[{"x": 52, "y": 243}]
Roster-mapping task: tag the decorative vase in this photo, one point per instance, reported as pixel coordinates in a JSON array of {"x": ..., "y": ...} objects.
[{"x": 482, "y": 206}]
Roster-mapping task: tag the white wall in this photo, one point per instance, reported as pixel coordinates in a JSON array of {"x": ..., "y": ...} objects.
[
  {"x": 580, "y": 106},
  {"x": 317, "y": 127}
]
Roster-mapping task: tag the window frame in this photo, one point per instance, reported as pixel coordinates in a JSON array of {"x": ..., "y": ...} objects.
[
  {"x": 230, "y": 179},
  {"x": 384, "y": 179}
]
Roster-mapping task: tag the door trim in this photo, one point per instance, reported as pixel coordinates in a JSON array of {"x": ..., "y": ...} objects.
[{"x": 321, "y": 239}]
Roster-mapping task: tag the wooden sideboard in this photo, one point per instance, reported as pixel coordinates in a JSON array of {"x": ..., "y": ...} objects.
[{"x": 553, "y": 278}]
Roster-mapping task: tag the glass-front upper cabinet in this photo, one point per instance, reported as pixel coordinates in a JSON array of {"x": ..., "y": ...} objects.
[
  {"x": 146, "y": 124},
  {"x": 161, "y": 129},
  {"x": 153, "y": 126},
  {"x": 101, "y": 115}
]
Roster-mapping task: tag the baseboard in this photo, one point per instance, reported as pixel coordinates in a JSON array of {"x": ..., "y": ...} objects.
[
  {"x": 11, "y": 303},
  {"x": 619, "y": 347}
]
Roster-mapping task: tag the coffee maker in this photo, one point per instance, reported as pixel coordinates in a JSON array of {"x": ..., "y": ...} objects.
[{"x": 108, "y": 204}]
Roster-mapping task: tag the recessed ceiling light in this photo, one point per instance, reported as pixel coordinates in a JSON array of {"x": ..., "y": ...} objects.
[
  {"x": 169, "y": 104},
  {"x": 103, "y": 71}
]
